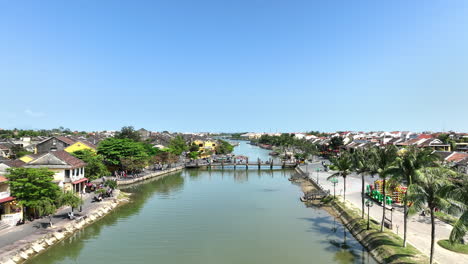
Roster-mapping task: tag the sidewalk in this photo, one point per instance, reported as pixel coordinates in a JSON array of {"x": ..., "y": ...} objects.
[{"x": 419, "y": 228}]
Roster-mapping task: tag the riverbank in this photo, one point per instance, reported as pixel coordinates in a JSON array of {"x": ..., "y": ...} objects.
[
  {"x": 148, "y": 176},
  {"x": 35, "y": 244},
  {"x": 38, "y": 242},
  {"x": 385, "y": 246}
]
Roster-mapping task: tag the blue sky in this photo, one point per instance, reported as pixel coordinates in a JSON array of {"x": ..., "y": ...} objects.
[{"x": 253, "y": 65}]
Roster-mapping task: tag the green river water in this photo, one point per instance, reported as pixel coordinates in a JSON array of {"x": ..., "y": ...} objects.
[{"x": 201, "y": 216}]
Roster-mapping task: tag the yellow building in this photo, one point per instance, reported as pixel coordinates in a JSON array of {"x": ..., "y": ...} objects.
[
  {"x": 80, "y": 145},
  {"x": 27, "y": 158},
  {"x": 205, "y": 146}
]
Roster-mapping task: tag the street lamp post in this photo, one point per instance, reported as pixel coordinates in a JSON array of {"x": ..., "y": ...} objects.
[
  {"x": 369, "y": 204},
  {"x": 318, "y": 169},
  {"x": 334, "y": 181}
]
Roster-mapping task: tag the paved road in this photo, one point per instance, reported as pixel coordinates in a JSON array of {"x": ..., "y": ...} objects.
[
  {"x": 419, "y": 228},
  {"x": 39, "y": 227}
]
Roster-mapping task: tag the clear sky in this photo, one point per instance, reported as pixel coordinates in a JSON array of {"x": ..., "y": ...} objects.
[{"x": 240, "y": 65}]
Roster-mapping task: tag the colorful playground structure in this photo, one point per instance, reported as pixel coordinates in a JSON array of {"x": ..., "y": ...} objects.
[{"x": 375, "y": 192}]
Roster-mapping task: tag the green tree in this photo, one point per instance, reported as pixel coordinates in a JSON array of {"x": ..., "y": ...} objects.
[
  {"x": 224, "y": 147},
  {"x": 194, "y": 154},
  {"x": 194, "y": 148},
  {"x": 383, "y": 159},
  {"x": 95, "y": 167},
  {"x": 178, "y": 145},
  {"x": 460, "y": 196},
  {"x": 69, "y": 198},
  {"x": 33, "y": 187},
  {"x": 47, "y": 208},
  {"x": 361, "y": 166},
  {"x": 336, "y": 143},
  {"x": 430, "y": 189},
  {"x": 407, "y": 165},
  {"x": 19, "y": 151},
  {"x": 133, "y": 164},
  {"x": 128, "y": 132},
  {"x": 111, "y": 184},
  {"x": 166, "y": 158},
  {"x": 115, "y": 149},
  {"x": 343, "y": 164}
]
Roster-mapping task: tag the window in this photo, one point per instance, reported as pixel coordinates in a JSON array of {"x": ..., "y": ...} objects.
[
  {"x": 54, "y": 142},
  {"x": 67, "y": 173},
  {"x": 82, "y": 170}
]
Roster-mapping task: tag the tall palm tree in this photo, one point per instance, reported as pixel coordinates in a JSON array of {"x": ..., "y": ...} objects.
[
  {"x": 406, "y": 166},
  {"x": 361, "y": 166},
  {"x": 344, "y": 165},
  {"x": 460, "y": 228},
  {"x": 383, "y": 159},
  {"x": 430, "y": 189}
]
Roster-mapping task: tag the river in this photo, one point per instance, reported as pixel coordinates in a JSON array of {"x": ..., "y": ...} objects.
[{"x": 202, "y": 216}]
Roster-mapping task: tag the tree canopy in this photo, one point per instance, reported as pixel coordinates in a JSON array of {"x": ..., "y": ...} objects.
[
  {"x": 128, "y": 132},
  {"x": 178, "y": 145},
  {"x": 95, "y": 167},
  {"x": 224, "y": 147},
  {"x": 33, "y": 186},
  {"x": 115, "y": 149}
]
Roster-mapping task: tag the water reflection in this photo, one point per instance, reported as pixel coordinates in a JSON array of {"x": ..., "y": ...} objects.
[{"x": 213, "y": 216}]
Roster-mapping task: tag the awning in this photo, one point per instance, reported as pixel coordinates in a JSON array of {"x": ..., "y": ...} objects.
[
  {"x": 8, "y": 199},
  {"x": 80, "y": 180}
]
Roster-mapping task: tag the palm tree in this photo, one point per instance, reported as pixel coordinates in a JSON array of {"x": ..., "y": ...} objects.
[
  {"x": 460, "y": 228},
  {"x": 343, "y": 164},
  {"x": 383, "y": 159},
  {"x": 406, "y": 166},
  {"x": 361, "y": 166},
  {"x": 430, "y": 189}
]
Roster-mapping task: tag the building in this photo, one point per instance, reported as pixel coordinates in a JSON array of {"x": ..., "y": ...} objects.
[
  {"x": 5, "y": 150},
  {"x": 10, "y": 210},
  {"x": 81, "y": 145},
  {"x": 69, "y": 171},
  {"x": 54, "y": 144},
  {"x": 63, "y": 143}
]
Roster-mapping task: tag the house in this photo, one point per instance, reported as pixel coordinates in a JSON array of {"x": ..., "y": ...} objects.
[
  {"x": 5, "y": 150},
  {"x": 54, "y": 144},
  {"x": 69, "y": 171},
  {"x": 10, "y": 210},
  {"x": 81, "y": 145},
  {"x": 425, "y": 142},
  {"x": 63, "y": 143},
  {"x": 462, "y": 166},
  {"x": 7, "y": 164}
]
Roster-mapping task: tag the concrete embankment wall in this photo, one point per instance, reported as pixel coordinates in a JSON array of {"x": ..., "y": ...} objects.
[
  {"x": 346, "y": 219},
  {"x": 149, "y": 176}
]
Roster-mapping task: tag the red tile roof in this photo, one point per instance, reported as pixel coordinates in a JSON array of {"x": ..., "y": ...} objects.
[
  {"x": 457, "y": 156},
  {"x": 66, "y": 139},
  {"x": 424, "y": 136},
  {"x": 13, "y": 163},
  {"x": 3, "y": 179},
  {"x": 68, "y": 158}
]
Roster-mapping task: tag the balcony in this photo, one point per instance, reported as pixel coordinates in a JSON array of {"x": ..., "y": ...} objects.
[{"x": 4, "y": 195}]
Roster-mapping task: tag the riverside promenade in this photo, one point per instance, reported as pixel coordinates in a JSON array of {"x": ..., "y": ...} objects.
[{"x": 419, "y": 227}]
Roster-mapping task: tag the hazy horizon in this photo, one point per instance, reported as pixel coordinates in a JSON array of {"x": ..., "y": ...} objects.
[{"x": 240, "y": 65}]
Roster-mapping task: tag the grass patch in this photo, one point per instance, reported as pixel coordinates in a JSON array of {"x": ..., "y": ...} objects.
[
  {"x": 445, "y": 218},
  {"x": 456, "y": 247},
  {"x": 386, "y": 245}
]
